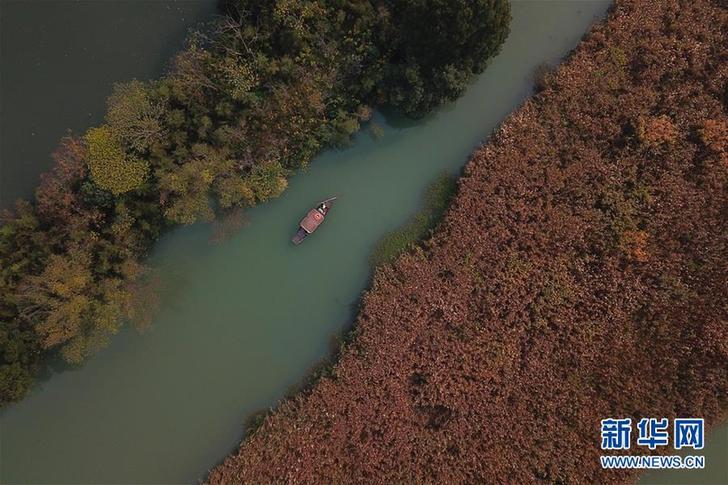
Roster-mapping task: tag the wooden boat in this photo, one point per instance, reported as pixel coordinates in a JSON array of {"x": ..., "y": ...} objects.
[{"x": 313, "y": 220}]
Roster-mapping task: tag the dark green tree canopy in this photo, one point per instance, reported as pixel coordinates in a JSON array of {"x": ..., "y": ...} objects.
[{"x": 438, "y": 45}]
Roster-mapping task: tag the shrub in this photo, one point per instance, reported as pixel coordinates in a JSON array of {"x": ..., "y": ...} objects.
[
  {"x": 714, "y": 135},
  {"x": 656, "y": 131}
]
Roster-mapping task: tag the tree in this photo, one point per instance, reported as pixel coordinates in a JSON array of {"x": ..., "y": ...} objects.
[
  {"x": 238, "y": 77},
  {"x": 15, "y": 379},
  {"x": 57, "y": 301},
  {"x": 70, "y": 308},
  {"x": 231, "y": 188},
  {"x": 23, "y": 250},
  {"x": 426, "y": 70},
  {"x": 56, "y": 196},
  {"x": 134, "y": 116},
  {"x": 267, "y": 181},
  {"x": 185, "y": 191},
  {"x": 110, "y": 167},
  {"x": 191, "y": 74}
]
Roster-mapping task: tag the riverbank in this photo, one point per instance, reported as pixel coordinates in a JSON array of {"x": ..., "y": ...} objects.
[
  {"x": 252, "y": 98},
  {"x": 578, "y": 275},
  {"x": 231, "y": 312},
  {"x": 419, "y": 227}
]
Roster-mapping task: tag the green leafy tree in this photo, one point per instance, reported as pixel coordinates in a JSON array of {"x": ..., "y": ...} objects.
[
  {"x": 267, "y": 181},
  {"x": 438, "y": 45},
  {"x": 185, "y": 191}
]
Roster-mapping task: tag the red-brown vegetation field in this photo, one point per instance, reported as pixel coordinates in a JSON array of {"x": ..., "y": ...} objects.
[{"x": 579, "y": 274}]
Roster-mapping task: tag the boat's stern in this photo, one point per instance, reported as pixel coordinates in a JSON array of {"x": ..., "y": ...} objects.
[{"x": 299, "y": 236}]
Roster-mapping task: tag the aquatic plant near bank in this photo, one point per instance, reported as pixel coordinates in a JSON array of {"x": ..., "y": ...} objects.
[
  {"x": 249, "y": 100},
  {"x": 579, "y": 274},
  {"x": 437, "y": 197}
]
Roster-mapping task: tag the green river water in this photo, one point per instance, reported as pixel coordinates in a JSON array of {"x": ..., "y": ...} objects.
[{"x": 242, "y": 321}]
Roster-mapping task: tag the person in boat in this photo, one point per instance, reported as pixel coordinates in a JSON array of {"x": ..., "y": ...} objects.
[{"x": 313, "y": 219}]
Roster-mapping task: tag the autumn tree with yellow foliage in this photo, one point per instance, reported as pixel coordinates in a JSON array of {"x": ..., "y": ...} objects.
[
  {"x": 70, "y": 308},
  {"x": 111, "y": 168}
]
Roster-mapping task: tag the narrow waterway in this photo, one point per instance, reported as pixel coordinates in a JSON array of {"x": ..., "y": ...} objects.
[{"x": 242, "y": 321}]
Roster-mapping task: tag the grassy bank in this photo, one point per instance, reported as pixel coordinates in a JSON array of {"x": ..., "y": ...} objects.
[{"x": 420, "y": 226}]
